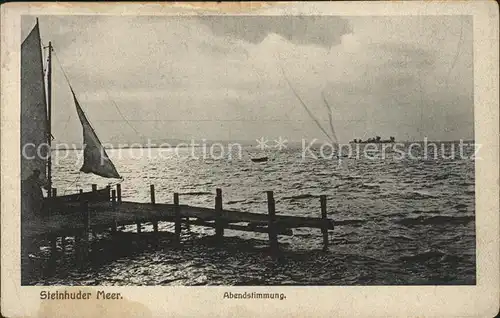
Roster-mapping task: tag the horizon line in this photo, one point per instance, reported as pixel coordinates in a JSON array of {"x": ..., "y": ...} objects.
[{"x": 185, "y": 144}]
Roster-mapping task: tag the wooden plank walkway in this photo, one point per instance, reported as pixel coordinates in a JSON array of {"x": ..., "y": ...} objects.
[
  {"x": 107, "y": 212},
  {"x": 104, "y": 215}
]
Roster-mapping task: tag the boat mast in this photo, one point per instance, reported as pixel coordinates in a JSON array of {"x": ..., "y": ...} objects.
[{"x": 49, "y": 119}]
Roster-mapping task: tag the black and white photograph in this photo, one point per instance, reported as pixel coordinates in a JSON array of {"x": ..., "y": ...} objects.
[{"x": 247, "y": 150}]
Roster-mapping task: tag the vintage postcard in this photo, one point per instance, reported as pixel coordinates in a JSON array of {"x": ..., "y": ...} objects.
[{"x": 250, "y": 159}]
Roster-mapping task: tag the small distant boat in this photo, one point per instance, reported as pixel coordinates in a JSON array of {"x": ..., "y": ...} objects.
[{"x": 261, "y": 159}]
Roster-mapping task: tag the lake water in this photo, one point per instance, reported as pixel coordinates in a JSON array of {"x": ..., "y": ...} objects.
[{"x": 404, "y": 221}]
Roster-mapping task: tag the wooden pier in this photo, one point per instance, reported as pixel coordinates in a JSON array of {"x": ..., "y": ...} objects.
[{"x": 104, "y": 210}]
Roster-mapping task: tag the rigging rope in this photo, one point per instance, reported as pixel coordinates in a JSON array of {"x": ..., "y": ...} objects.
[
  {"x": 67, "y": 121},
  {"x": 64, "y": 73},
  {"x": 311, "y": 114},
  {"x": 330, "y": 110},
  {"x": 459, "y": 44},
  {"x": 119, "y": 112},
  {"x": 107, "y": 93},
  {"x": 305, "y": 106},
  {"x": 60, "y": 66},
  {"x": 330, "y": 116},
  {"x": 75, "y": 182}
]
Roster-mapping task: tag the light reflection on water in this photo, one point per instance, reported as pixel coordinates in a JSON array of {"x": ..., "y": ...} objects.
[{"x": 406, "y": 222}]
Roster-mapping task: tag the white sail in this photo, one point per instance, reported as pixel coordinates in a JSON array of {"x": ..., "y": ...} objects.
[
  {"x": 34, "y": 125},
  {"x": 95, "y": 158},
  {"x": 34, "y": 122}
]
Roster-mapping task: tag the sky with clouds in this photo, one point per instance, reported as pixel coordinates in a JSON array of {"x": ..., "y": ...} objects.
[{"x": 221, "y": 77}]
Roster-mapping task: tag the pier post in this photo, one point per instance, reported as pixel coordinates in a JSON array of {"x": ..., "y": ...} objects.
[
  {"x": 273, "y": 236},
  {"x": 153, "y": 201},
  {"x": 81, "y": 191},
  {"x": 119, "y": 192},
  {"x": 177, "y": 218},
  {"x": 138, "y": 226},
  {"x": 94, "y": 187},
  {"x": 152, "y": 192},
  {"x": 54, "y": 192},
  {"x": 84, "y": 248},
  {"x": 113, "y": 205},
  {"x": 53, "y": 246},
  {"x": 324, "y": 229},
  {"x": 76, "y": 247},
  {"x": 86, "y": 219},
  {"x": 219, "y": 222},
  {"x": 51, "y": 264}
]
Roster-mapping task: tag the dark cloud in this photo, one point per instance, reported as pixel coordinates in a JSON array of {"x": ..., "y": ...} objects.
[
  {"x": 396, "y": 76},
  {"x": 324, "y": 31}
]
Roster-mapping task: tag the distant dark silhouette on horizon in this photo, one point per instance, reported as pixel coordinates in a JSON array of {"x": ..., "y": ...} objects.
[{"x": 376, "y": 140}]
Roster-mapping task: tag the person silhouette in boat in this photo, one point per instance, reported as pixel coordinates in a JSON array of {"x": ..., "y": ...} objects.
[{"x": 32, "y": 204}]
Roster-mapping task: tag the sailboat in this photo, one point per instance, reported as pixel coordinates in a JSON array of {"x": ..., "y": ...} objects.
[{"x": 36, "y": 135}]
